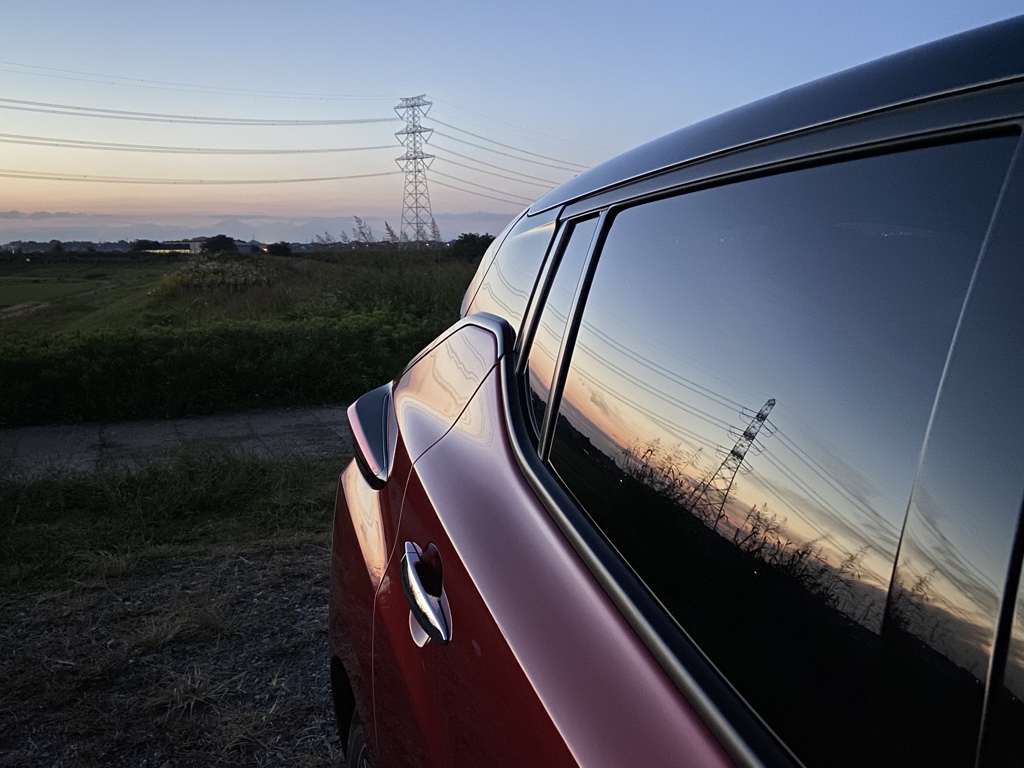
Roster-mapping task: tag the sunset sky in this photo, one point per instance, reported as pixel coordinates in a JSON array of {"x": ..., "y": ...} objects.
[{"x": 524, "y": 95}]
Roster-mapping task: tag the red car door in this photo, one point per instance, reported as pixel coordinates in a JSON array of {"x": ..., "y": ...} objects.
[{"x": 493, "y": 644}]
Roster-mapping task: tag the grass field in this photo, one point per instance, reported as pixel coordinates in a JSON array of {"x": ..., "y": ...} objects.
[
  {"x": 15, "y": 291},
  {"x": 174, "y": 616},
  {"x": 177, "y": 615},
  {"x": 165, "y": 336},
  {"x": 106, "y": 289}
]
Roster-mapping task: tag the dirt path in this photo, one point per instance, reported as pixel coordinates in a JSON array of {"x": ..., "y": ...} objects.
[
  {"x": 30, "y": 451},
  {"x": 22, "y": 309}
]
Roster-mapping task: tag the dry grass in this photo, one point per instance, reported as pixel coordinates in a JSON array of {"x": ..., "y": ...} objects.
[
  {"x": 173, "y": 617},
  {"x": 207, "y": 660}
]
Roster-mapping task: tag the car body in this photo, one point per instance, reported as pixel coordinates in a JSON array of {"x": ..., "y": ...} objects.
[{"x": 720, "y": 465}]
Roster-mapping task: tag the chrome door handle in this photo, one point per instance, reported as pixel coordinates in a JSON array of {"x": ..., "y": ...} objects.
[{"x": 428, "y": 609}]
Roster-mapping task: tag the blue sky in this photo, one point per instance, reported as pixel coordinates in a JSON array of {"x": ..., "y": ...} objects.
[{"x": 572, "y": 82}]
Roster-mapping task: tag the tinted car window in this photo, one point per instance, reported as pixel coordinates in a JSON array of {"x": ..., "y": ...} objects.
[
  {"x": 746, "y": 404},
  {"x": 508, "y": 282},
  {"x": 551, "y": 327},
  {"x": 481, "y": 271},
  {"x": 1005, "y": 737}
]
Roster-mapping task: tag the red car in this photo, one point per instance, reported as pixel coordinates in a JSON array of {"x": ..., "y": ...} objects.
[{"x": 719, "y": 465}]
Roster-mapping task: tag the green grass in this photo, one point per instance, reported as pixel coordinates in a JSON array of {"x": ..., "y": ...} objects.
[
  {"x": 147, "y": 342},
  {"x": 14, "y": 291},
  {"x": 92, "y": 526},
  {"x": 113, "y": 292},
  {"x": 170, "y": 373}
]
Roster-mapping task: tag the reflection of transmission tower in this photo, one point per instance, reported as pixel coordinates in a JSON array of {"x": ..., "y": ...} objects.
[
  {"x": 715, "y": 490},
  {"x": 417, "y": 221}
]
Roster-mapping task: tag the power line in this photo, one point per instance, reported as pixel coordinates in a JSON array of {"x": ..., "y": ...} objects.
[
  {"x": 119, "y": 114},
  {"x": 490, "y": 173},
  {"x": 509, "y": 146},
  {"x": 167, "y": 85},
  {"x": 506, "y": 154},
  {"x": 489, "y": 189},
  {"x": 45, "y": 141},
  {"x": 476, "y": 194},
  {"x": 45, "y": 176},
  {"x": 491, "y": 165},
  {"x": 520, "y": 127},
  {"x": 157, "y": 117}
]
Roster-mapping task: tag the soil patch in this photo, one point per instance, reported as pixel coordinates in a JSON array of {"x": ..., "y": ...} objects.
[{"x": 218, "y": 658}]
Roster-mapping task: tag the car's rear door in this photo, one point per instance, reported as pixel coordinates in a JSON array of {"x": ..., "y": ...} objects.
[{"x": 540, "y": 668}]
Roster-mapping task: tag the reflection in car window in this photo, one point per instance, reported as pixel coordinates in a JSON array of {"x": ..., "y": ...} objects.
[
  {"x": 482, "y": 268},
  {"x": 743, "y": 416},
  {"x": 551, "y": 328},
  {"x": 509, "y": 280},
  {"x": 1005, "y": 745}
]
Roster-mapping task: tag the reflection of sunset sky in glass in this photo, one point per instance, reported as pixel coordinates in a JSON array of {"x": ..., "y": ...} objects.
[
  {"x": 838, "y": 302},
  {"x": 523, "y": 74}
]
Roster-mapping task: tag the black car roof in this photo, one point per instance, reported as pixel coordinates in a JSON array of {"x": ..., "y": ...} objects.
[{"x": 983, "y": 56}]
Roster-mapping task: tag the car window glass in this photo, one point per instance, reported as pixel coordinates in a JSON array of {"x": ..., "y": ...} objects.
[
  {"x": 482, "y": 268},
  {"x": 551, "y": 326},
  {"x": 746, "y": 403},
  {"x": 1005, "y": 738},
  {"x": 506, "y": 287}
]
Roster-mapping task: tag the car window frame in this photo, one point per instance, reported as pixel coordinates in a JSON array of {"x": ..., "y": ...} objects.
[{"x": 978, "y": 113}]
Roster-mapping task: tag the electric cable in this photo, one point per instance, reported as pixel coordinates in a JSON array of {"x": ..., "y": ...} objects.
[
  {"x": 491, "y": 165},
  {"x": 46, "y": 176},
  {"x": 489, "y": 173},
  {"x": 506, "y": 154},
  {"x": 474, "y": 184},
  {"x": 157, "y": 117},
  {"x": 514, "y": 125},
  {"x": 476, "y": 194},
  {"x": 508, "y": 146},
  {"x": 45, "y": 141},
  {"x": 168, "y": 85}
]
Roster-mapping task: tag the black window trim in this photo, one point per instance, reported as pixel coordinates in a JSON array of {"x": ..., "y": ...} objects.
[
  {"x": 539, "y": 297},
  {"x": 742, "y": 732},
  {"x": 988, "y": 111},
  {"x": 565, "y": 229},
  {"x": 997, "y": 100}
]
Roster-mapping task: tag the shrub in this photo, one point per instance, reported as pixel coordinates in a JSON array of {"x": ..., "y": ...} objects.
[
  {"x": 213, "y": 274},
  {"x": 157, "y": 373}
]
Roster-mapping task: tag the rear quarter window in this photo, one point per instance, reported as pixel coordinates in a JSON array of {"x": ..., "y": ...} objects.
[{"x": 505, "y": 287}]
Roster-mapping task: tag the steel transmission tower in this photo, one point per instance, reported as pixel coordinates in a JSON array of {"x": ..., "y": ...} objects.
[
  {"x": 710, "y": 501},
  {"x": 417, "y": 220}
]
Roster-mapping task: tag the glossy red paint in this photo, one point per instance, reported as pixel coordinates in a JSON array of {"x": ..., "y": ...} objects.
[
  {"x": 357, "y": 564},
  {"x": 365, "y": 528},
  {"x": 541, "y": 669},
  {"x": 431, "y": 394}
]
